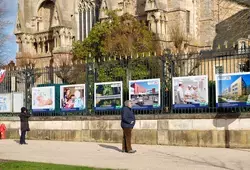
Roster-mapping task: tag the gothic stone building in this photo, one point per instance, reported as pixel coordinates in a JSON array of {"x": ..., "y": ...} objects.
[{"x": 46, "y": 28}]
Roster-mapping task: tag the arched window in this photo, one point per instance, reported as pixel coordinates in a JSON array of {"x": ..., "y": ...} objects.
[
  {"x": 242, "y": 46},
  {"x": 87, "y": 18},
  {"x": 45, "y": 13}
]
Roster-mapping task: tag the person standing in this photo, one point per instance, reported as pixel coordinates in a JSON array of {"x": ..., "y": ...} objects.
[
  {"x": 24, "y": 119},
  {"x": 179, "y": 98},
  {"x": 188, "y": 95},
  {"x": 127, "y": 124}
]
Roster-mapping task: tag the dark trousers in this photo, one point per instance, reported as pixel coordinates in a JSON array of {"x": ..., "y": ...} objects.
[
  {"x": 22, "y": 138},
  {"x": 126, "y": 144}
]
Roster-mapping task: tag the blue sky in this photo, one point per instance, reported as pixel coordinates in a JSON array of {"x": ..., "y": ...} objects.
[
  {"x": 226, "y": 83},
  {"x": 145, "y": 85},
  {"x": 9, "y": 50}
]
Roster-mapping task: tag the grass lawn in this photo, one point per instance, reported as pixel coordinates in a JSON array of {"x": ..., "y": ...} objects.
[{"x": 16, "y": 165}]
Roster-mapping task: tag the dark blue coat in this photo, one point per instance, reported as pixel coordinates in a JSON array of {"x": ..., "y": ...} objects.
[{"x": 127, "y": 117}]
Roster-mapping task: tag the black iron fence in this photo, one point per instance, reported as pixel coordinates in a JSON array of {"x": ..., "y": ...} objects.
[{"x": 165, "y": 67}]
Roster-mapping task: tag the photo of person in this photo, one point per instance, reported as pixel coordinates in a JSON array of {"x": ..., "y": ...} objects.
[
  {"x": 190, "y": 91},
  {"x": 43, "y": 98},
  {"x": 73, "y": 97}
]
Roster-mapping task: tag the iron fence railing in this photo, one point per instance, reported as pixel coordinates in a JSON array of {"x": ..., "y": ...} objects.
[{"x": 112, "y": 69}]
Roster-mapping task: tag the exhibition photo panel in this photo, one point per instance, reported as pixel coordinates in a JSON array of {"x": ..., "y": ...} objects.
[
  {"x": 145, "y": 94},
  {"x": 190, "y": 91},
  {"x": 43, "y": 99},
  {"x": 72, "y": 97},
  {"x": 233, "y": 90},
  {"x": 108, "y": 96}
]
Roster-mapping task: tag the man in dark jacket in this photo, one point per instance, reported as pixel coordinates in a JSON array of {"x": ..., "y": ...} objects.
[
  {"x": 24, "y": 116},
  {"x": 127, "y": 124}
]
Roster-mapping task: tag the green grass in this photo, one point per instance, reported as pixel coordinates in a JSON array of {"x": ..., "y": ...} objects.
[{"x": 16, "y": 165}]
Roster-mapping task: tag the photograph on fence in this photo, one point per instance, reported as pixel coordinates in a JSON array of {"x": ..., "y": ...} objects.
[
  {"x": 233, "y": 90},
  {"x": 108, "y": 96},
  {"x": 18, "y": 101},
  {"x": 6, "y": 103},
  {"x": 145, "y": 94},
  {"x": 190, "y": 92},
  {"x": 43, "y": 99},
  {"x": 72, "y": 97}
]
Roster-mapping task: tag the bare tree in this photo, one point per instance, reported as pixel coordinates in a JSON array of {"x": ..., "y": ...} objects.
[
  {"x": 3, "y": 35},
  {"x": 69, "y": 71},
  {"x": 178, "y": 37},
  {"x": 226, "y": 8},
  {"x": 26, "y": 59},
  {"x": 183, "y": 63}
]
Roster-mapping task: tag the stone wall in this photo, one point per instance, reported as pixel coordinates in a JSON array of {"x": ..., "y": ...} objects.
[{"x": 197, "y": 131}]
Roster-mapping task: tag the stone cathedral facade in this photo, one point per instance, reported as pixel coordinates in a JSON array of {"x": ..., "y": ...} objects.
[{"x": 46, "y": 29}]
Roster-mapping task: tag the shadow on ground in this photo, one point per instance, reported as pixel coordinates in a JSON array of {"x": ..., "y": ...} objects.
[
  {"x": 17, "y": 141},
  {"x": 110, "y": 147},
  {"x": 203, "y": 161}
]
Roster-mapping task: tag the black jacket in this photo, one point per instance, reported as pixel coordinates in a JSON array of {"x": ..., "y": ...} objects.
[
  {"x": 127, "y": 118},
  {"x": 24, "y": 118}
]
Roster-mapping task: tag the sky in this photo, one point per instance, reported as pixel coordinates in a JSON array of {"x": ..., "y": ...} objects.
[
  {"x": 145, "y": 85},
  {"x": 10, "y": 47},
  {"x": 226, "y": 83}
]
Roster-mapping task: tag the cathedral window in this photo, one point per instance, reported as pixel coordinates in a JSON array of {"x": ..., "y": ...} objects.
[
  {"x": 242, "y": 46},
  {"x": 87, "y": 18},
  {"x": 206, "y": 8},
  {"x": 45, "y": 15}
]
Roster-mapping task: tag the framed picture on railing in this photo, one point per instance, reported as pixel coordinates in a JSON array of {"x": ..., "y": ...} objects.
[
  {"x": 190, "y": 92},
  {"x": 233, "y": 90},
  {"x": 43, "y": 99},
  {"x": 108, "y": 96},
  {"x": 6, "y": 103},
  {"x": 72, "y": 97},
  {"x": 145, "y": 94}
]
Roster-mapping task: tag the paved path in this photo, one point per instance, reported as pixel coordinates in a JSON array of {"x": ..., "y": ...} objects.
[{"x": 108, "y": 156}]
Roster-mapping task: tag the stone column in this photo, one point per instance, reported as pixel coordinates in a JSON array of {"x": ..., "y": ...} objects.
[
  {"x": 90, "y": 18},
  {"x": 55, "y": 42},
  {"x": 157, "y": 22},
  {"x": 78, "y": 25},
  {"x": 62, "y": 40},
  {"x": 39, "y": 47},
  {"x": 19, "y": 47},
  {"x": 158, "y": 26},
  {"x": 59, "y": 42},
  {"x": 83, "y": 26},
  {"x": 70, "y": 40},
  {"x": 166, "y": 28},
  {"x": 48, "y": 46},
  {"x": 153, "y": 26},
  {"x": 43, "y": 44},
  {"x": 94, "y": 14},
  {"x": 86, "y": 22}
]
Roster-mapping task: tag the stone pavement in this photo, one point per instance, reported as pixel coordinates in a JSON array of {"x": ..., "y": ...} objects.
[{"x": 109, "y": 156}]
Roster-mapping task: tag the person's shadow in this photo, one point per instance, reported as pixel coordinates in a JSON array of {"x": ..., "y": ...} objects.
[
  {"x": 110, "y": 147},
  {"x": 17, "y": 141}
]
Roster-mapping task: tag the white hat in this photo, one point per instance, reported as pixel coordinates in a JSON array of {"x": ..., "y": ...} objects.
[
  {"x": 180, "y": 82},
  {"x": 189, "y": 86}
]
